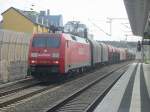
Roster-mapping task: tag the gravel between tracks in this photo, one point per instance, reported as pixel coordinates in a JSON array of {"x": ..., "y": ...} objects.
[{"x": 79, "y": 102}]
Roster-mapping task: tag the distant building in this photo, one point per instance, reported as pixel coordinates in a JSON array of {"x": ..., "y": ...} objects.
[
  {"x": 90, "y": 36},
  {"x": 55, "y": 20},
  {"x": 30, "y": 21},
  {"x": 23, "y": 21},
  {"x": 75, "y": 28}
]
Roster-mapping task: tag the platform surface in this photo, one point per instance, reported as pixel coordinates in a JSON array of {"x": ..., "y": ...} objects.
[{"x": 131, "y": 93}]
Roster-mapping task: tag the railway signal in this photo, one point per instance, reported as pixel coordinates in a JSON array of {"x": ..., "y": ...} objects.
[{"x": 139, "y": 46}]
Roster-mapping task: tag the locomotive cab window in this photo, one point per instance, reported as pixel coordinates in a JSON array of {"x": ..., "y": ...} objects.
[
  {"x": 73, "y": 37},
  {"x": 49, "y": 42}
]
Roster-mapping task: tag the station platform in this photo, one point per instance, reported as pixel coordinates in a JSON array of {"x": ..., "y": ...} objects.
[{"x": 131, "y": 93}]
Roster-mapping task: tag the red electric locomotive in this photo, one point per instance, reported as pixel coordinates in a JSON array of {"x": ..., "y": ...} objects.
[{"x": 55, "y": 54}]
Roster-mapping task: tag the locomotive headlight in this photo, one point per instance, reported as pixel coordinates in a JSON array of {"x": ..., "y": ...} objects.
[
  {"x": 55, "y": 62},
  {"x": 33, "y": 61},
  {"x": 55, "y": 55},
  {"x": 34, "y": 55}
]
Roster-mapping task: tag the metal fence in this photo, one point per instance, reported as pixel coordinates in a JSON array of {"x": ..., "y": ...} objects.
[{"x": 13, "y": 54}]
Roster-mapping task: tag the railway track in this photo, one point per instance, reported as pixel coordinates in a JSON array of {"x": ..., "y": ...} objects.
[
  {"x": 18, "y": 86},
  {"x": 82, "y": 98},
  {"x": 20, "y": 96}
]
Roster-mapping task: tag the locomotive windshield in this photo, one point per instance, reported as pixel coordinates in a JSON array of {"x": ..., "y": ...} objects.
[{"x": 49, "y": 42}]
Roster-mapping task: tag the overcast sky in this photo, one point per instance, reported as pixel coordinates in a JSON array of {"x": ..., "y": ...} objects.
[{"x": 89, "y": 12}]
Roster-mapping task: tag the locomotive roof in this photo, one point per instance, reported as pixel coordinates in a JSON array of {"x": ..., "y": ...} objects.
[
  {"x": 65, "y": 35},
  {"x": 46, "y": 35},
  {"x": 77, "y": 38}
]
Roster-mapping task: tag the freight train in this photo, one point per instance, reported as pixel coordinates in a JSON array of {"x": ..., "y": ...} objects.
[{"x": 58, "y": 54}]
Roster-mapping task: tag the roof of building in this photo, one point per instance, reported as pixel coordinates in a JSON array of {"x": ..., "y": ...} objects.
[{"x": 30, "y": 15}]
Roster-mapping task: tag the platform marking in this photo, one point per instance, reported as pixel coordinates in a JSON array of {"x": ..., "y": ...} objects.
[
  {"x": 146, "y": 69},
  {"x": 135, "y": 105},
  {"x": 112, "y": 101},
  {"x": 145, "y": 100}
]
